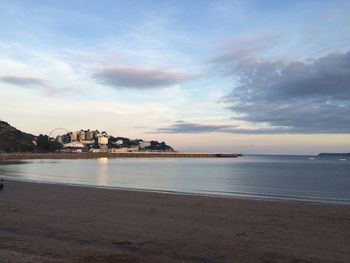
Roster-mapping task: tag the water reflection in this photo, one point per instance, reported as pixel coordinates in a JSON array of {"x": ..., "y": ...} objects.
[
  {"x": 4, "y": 162},
  {"x": 102, "y": 160},
  {"x": 102, "y": 175}
]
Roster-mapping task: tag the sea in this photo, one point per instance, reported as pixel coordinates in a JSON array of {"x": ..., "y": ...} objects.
[{"x": 266, "y": 177}]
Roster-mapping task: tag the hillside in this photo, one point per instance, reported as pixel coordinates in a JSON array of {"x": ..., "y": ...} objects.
[{"x": 14, "y": 140}]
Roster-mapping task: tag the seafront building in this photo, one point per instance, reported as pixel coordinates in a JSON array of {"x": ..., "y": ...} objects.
[
  {"x": 74, "y": 147},
  {"x": 86, "y": 140},
  {"x": 124, "y": 149}
]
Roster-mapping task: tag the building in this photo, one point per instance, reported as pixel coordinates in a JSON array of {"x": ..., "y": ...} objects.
[
  {"x": 103, "y": 148},
  {"x": 144, "y": 144},
  {"x": 102, "y": 140},
  {"x": 87, "y": 142},
  {"x": 118, "y": 150},
  {"x": 73, "y": 136},
  {"x": 96, "y": 133},
  {"x": 73, "y": 147},
  {"x": 119, "y": 142},
  {"x": 81, "y": 135},
  {"x": 59, "y": 138},
  {"x": 124, "y": 150},
  {"x": 133, "y": 149},
  {"x": 89, "y": 135}
]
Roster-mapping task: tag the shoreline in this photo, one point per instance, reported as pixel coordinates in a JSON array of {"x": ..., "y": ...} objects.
[
  {"x": 59, "y": 223},
  {"x": 239, "y": 196},
  {"x": 18, "y": 156}
]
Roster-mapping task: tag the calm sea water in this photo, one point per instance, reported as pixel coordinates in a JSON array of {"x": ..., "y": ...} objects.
[{"x": 297, "y": 178}]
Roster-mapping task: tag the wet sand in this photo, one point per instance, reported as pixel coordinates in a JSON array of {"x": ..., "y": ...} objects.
[{"x": 56, "y": 223}]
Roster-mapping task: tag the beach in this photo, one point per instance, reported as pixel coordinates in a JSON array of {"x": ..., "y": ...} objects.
[{"x": 59, "y": 223}]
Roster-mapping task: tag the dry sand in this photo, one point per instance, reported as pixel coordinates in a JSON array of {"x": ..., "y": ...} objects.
[{"x": 55, "y": 223}]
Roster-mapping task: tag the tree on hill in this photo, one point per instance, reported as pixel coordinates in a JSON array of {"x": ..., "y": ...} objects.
[{"x": 44, "y": 144}]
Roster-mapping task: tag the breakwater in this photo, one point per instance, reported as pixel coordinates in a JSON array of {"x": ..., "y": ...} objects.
[{"x": 16, "y": 156}]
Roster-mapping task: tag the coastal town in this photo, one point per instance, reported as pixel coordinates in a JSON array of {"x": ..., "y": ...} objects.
[
  {"x": 95, "y": 141},
  {"x": 64, "y": 144},
  {"x": 13, "y": 140}
]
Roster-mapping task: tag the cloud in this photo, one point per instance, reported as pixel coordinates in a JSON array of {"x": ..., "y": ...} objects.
[
  {"x": 293, "y": 96},
  {"x": 188, "y": 127},
  {"x": 139, "y": 78},
  {"x": 242, "y": 48},
  {"x": 23, "y": 81},
  {"x": 37, "y": 84}
]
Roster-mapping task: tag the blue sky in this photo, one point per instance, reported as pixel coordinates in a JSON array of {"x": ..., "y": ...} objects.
[{"x": 248, "y": 76}]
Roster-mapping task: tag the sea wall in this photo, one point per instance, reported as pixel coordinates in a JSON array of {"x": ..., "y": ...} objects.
[{"x": 11, "y": 156}]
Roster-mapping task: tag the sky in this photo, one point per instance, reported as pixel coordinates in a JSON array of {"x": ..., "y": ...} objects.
[{"x": 268, "y": 77}]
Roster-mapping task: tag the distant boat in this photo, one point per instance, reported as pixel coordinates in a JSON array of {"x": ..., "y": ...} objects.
[
  {"x": 341, "y": 158},
  {"x": 312, "y": 158}
]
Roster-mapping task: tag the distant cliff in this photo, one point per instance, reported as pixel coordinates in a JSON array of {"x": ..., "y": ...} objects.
[{"x": 14, "y": 140}]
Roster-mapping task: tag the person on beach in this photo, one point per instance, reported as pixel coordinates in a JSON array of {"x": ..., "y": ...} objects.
[{"x": 1, "y": 185}]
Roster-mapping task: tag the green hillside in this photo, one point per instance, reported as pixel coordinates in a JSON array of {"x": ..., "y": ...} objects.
[{"x": 13, "y": 140}]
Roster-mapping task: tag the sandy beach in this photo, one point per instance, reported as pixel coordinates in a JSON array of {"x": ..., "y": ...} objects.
[{"x": 56, "y": 223}]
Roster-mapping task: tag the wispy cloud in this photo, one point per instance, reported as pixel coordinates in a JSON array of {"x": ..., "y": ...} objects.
[
  {"x": 244, "y": 47},
  {"x": 24, "y": 81},
  {"x": 38, "y": 84},
  {"x": 187, "y": 127},
  {"x": 139, "y": 78},
  {"x": 190, "y": 127}
]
